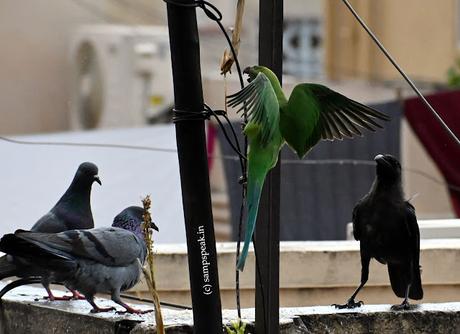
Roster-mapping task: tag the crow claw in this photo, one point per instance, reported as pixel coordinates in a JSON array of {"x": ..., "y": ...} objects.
[
  {"x": 404, "y": 306},
  {"x": 349, "y": 305}
]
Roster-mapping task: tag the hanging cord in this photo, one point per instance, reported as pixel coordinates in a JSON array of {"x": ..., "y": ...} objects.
[
  {"x": 240, "y": 219},
  {"x": 146, "y": 300},
  {"x": 226, "y": 65},
  {"x": 395, "y": 64},
  {"x": 235, "y": 146},
  {"x": 95, "y": 145}
]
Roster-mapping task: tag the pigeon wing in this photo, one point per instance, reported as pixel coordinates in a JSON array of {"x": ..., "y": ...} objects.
[{"x": 110, "y": 246}]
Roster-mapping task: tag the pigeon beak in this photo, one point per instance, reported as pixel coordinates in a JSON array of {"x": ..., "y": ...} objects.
[
  {"x": 97, "y": 179},
  {"x": 152, "y": 225}
]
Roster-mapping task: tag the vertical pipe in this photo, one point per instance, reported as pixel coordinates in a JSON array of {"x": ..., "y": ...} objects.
[
  {"x": 267, "y": 231},
  {"x": 191, "y": 147}
]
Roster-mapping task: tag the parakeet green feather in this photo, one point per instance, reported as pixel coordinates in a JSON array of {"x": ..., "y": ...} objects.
[{"x": 313, "y": 112}]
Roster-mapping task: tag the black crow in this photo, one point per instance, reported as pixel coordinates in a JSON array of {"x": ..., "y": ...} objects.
[{"x": 386, "y": 227}]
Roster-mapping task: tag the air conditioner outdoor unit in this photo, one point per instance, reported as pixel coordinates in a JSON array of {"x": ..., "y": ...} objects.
[{"x": 121, "y": 76}]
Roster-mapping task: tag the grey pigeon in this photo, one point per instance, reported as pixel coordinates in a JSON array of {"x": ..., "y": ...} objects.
[
  {"x": 72, "y": 211},
  {"x": 100, "y": 260}
]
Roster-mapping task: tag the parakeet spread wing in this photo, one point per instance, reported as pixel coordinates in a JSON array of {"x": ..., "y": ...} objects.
[
  {"x": 321, "y": 113},
  {"x": 262, "y": 106},
  {"x": 265, "y": 141},
  {"x": 313, "y": 112}
]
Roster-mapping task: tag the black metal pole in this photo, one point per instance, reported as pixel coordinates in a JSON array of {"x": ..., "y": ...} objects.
[
  {"x": 267, "y": 234},
  {"x": 191, "y": 147}
]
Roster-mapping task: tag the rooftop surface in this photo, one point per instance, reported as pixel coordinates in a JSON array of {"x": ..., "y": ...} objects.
[{"x": 32, "y": 177}]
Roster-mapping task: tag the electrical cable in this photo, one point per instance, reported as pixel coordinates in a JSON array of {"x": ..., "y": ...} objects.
[{"x": 404, "y": 75}]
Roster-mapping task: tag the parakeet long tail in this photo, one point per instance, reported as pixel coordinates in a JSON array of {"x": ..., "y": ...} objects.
[{"x": 255, "y": 184}]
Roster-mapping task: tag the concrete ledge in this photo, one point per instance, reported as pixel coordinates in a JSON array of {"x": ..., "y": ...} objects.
[{"x": 22, "y": 311}]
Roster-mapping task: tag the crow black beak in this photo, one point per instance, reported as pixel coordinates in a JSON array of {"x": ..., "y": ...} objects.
[
  {"x": 152, "y": 225},
  {"x": 380, "y": 159},
  {"x": 97, "y": 179}
]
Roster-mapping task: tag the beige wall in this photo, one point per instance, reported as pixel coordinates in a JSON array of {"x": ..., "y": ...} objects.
[
  {"x": 33, "y": 63},
  {"x": 420, "y": 34},
  {"x": 34, "y": 59}
]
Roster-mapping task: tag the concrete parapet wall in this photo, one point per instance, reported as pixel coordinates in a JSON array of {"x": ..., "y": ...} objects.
[
  {"x": 313, "y": 273},
  {"x": 23, "y": 311}
]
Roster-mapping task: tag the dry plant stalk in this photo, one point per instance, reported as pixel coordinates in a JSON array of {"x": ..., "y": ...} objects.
[
  {"x": 228, "y": 59},
  {"x": 149, "y": 272}
]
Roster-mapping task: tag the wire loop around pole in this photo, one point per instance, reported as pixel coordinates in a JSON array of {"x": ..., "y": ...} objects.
[
  {"x": 212, "y": 12},
  {"x": 187, "y": 115}
]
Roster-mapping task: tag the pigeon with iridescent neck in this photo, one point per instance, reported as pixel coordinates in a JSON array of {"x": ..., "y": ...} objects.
[
  {"x": 72, "y": 211},
  {"x": 100, "y": 260}
]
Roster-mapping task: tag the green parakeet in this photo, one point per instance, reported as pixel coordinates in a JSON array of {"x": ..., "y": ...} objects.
[{"x": 313, "y": 112}]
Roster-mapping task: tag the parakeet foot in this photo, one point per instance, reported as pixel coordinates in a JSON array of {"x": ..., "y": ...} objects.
[
  {"x": 349, "y": 305},
  {"x": 404, "y": 306}
]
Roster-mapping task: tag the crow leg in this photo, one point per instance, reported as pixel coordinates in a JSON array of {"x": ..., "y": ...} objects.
[
  {"x": 405, "y": 304},
  {"x": 128, "y": 309},
  {"x": 97, "y": 309},
  {"x": 364, "y": 277}
]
